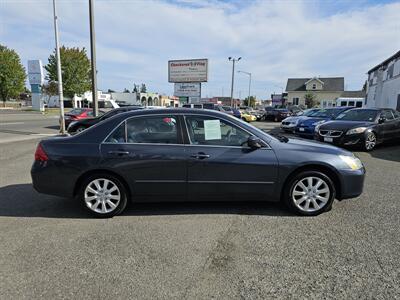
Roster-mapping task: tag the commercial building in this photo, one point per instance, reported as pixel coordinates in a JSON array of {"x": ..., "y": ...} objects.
[
  {"x": 383, "y": 84},
  {"x": 326, "y": 90}
]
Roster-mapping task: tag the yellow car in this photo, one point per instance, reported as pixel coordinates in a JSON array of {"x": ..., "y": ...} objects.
[{"x": 247, "y": 117}]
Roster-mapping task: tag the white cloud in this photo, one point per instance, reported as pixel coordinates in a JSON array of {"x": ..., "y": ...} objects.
[{"x": 277, "y": 39}]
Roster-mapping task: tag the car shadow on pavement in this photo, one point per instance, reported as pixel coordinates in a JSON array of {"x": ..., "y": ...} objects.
[
  {"x": 387, "y": 151},
  {"x": 21, "y": 200}
]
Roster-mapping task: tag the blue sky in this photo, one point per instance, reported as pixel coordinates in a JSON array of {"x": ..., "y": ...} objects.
[{"x": 276, "y": 39}]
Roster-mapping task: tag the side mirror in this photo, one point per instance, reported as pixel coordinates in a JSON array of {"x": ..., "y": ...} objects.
[
  {"x": 381, "y": 120},
  {"x": 254, "y": 142}
]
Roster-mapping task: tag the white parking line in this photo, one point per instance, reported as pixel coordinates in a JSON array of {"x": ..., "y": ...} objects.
[{"x": 12, "y": 123}]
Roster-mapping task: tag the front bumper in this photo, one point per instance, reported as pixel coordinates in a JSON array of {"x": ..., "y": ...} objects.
[
  {"x": 343, "y": 140},
  {"x": 351, "y": 183}
]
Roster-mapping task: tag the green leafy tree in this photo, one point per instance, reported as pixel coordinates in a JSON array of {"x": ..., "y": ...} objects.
[
  {"x": 252, "y": 102},
  {"x": 50, "y": 89},
  {"x": 310, "y": 100},
  {"x": 143, "y": 88},
  {"x": 12, "y": 74},
  {"x": 110, "y": 91},
  {"x": 75, "y": 68},
  {"x": 126, "y": 90},
  {"x": 135, "y": 88}
]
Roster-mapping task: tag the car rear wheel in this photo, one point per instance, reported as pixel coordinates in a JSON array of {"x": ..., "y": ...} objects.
[
  {"x": 310, "y": 193},
  {"x": 370, "y": 141},
  {"x": 80, "y": 129},
  {"x": 103, "y": 195}
]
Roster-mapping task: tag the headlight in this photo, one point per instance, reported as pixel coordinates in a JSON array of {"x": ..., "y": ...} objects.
[
  {"x": 356, "y": 130},
  {"x": 352, "y": 162}
]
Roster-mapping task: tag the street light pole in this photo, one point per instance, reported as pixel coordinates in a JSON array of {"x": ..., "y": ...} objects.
[
  {"x": 93, "y": 59},
  {"x": 249, "y": 74},
  {"x": 59, "y": 76},
  {"x": 233, "y": 76}
]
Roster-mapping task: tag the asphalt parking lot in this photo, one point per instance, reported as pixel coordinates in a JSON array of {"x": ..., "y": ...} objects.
[{"x": 51, "y": 248}]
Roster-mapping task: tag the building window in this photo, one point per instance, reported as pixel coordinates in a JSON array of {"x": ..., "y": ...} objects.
[
  {"x": 295, "y": 101},
  {"x": 314, "y": 86},
  {"x": 390, "y": 72}
]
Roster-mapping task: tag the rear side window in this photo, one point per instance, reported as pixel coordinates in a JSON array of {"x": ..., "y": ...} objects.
[
  {"x": 118, "y": 136},
  {"x": 154, "y": 130}
]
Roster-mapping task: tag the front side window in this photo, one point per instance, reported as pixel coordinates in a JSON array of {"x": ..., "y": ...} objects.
[
  {"x": 387, "y": 114},
  {"x": 152, "y": 129},
  {"x": 214, "y": 132}
]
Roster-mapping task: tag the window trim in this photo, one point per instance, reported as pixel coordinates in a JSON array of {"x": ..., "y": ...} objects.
[{"x": 183, "y": 137}]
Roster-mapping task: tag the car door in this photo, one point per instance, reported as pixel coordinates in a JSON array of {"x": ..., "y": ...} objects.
[
  {"x": 222, "y": 167},
  {"x": 388, "y": 127},
  {"x": 396, "y": 132},
  {"x": 148, "y": 152}
]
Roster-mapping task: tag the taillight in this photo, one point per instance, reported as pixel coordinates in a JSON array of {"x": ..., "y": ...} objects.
[{"x": 40, "y": 155}]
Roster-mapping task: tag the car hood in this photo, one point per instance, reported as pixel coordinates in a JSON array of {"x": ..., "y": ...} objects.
[
  {"x": 343, "y": 125},
  {"x": 294, "y": 118},
  {"x": 311, "y": 120},
  {"x": 304, "y": 146}
]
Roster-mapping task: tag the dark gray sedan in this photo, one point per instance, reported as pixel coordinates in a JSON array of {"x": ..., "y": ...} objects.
[{"x": 192, "y": 155}]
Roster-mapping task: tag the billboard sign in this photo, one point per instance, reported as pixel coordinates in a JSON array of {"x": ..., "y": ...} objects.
[
  {"x": 187, "y": 89},
  {"x": 35, "y": 72},
  {"x": 190, "y": 70}
]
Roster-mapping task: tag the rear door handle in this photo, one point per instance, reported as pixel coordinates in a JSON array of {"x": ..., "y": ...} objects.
[
  {"x": 118, "y": 153},
  {"x": 200, "y": 156}
]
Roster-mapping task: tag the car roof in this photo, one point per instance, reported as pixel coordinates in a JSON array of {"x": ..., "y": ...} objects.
[{"x": 179, "y": 110}]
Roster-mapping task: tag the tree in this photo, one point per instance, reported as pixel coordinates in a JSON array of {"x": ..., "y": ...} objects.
[
  {"x": 135, "y": 88},
  {"x": 126, "y": 90},
  {"x": 143, "y": 88},
  {"x": 12, "y": 74},
  {"x": 110, "y": 91},
  {"x": 310, "y": 100},
  {"x": 75, "y": 68},
  {"x": 252, "y": 101},
  {"x": 50, "y": 89}
]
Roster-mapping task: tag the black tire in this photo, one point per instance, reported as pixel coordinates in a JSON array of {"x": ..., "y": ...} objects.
[
  {"x": 288, "y": 197},
  {"x": 368, "y": 145},
  {"x": 122, "y": 192}
]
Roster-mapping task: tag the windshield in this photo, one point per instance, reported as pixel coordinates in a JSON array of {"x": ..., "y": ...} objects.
[
  {"x": 76, "y": 111},
  {"x": 327, "y": 113},
  {"x": 310, "y": 112},
  {"x": 367, "y": 115}
]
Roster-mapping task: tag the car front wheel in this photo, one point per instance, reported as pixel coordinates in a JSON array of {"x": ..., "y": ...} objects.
[
  {"x": 370, "y": 141},
  {"x": 310, "y": 193},
  {"x": 103, "y": 195}
]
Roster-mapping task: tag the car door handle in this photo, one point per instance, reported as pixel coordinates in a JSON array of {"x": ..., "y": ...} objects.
[
  {"x": 118, "y": 153},
  {"x": 200, "y": 155}
]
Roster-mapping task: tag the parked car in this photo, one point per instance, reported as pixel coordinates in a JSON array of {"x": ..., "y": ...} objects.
[
  {"x": 277, "y": 114},
  {"x": 78, "y": 114},
  {"x": 306, "y": 127},
  {"x": 248, "y": 117},
  {"x": 82, "y": 124},
  {"x": 237, "y": 113},
  {"x": 362, "y": 127},
  {"x": 192, "y": 155},
  {"x": 289, "y": 124}
]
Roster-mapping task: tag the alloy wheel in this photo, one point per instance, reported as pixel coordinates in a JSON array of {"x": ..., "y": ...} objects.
[
  {"x": 311, "y": 194},
  {"x": 80, "y": 129},
  {"x": 102, "y": 196},
  {"x": 370, "y": 141}
]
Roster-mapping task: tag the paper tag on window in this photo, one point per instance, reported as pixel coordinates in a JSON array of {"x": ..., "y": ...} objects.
[{"x": 212, "y": 130}]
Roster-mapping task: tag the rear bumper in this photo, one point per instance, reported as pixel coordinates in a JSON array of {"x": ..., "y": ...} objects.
[
  {"x": 48, "y": 179},
  {"x": 352, "y": 183}
]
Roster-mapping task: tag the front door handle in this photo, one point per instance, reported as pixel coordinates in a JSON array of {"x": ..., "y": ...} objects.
[
  {"x": 200, "y": 155},
  {"x": 118, "y": 153}
]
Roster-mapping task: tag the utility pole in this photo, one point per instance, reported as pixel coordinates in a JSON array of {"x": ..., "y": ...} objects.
[
  {"x": 233, "y": 76},
  {"x": 248, "y": 74},
  {"x": 93, "y": 59},
  {"x": 59, "y": 75}
]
